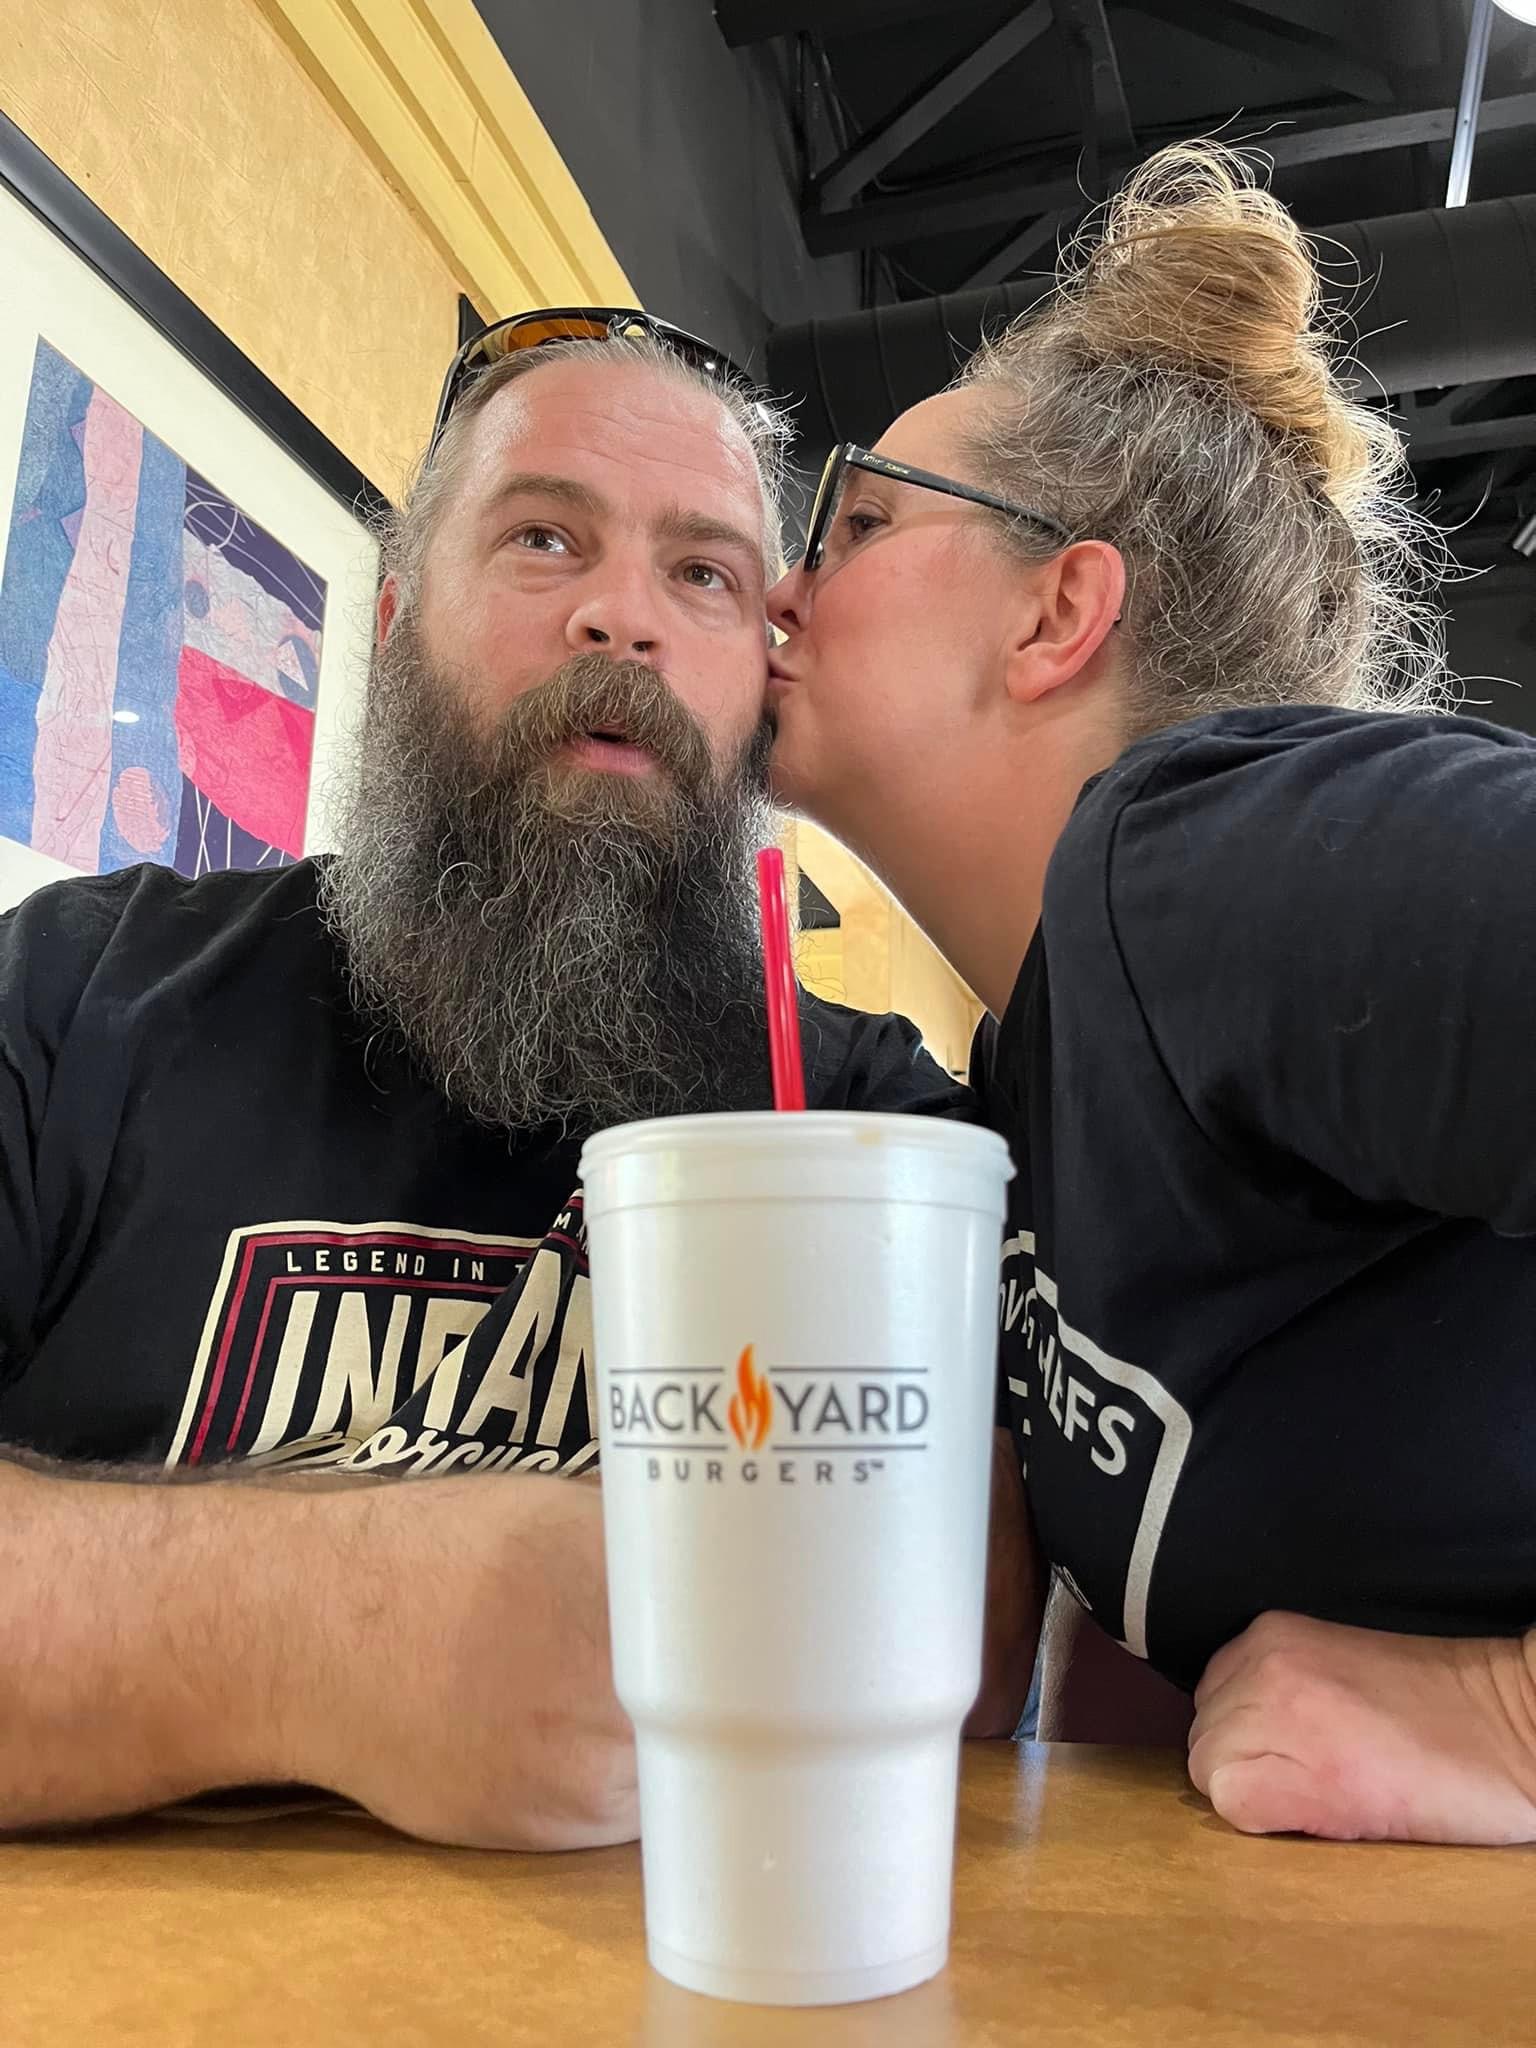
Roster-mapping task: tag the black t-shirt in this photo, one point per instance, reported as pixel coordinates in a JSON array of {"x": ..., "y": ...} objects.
[
  {"x": 235, "y": 1223},
  {"x": 1269, "y": 1284}
]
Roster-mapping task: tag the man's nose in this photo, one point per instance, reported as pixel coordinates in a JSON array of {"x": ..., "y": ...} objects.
[
  {"x": 789, "y": 601},
  {"x": 622, "y": 615}
]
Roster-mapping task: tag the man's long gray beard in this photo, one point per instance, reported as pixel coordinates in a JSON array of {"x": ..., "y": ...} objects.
[{"x": 552, "y": 946}]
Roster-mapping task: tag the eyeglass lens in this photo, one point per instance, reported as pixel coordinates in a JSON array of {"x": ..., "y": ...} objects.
[{"x": 837, "y": 539}]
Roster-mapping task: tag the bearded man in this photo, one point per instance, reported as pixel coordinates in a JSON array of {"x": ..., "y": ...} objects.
[{"x": 288, "y": 1158}]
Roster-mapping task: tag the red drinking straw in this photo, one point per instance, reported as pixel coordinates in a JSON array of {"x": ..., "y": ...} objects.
[{"x": 783, "y": 993}]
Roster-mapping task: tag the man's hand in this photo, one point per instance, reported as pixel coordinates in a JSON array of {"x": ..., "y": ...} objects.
[
  {"x": 435, "y": 1649},
  {"x": 465, "y": 1692},
  {"x": 1307, "y": 1727}
]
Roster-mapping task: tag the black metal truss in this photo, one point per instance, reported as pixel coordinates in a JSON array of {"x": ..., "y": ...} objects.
[
  {"x": 935, "y": 99},
  {"x": 1327, "y": 61},
  {"x": 1107, "y": 129},
  {"x": 755, "y": 21},
  {"x": 1051, "y": 181}
]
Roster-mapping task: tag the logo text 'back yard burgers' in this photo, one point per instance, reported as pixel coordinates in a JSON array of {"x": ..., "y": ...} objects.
[{"x": 808, "y": 1422}]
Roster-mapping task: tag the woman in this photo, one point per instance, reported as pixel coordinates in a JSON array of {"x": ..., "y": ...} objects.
[{"x": 1118, "y": 669}]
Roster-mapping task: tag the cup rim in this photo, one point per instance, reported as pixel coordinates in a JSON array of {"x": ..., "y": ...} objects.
[{"x": 781, "y": 1131}]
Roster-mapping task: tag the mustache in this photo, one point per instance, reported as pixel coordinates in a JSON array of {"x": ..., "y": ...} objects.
[{"x": 593, "y": 694}]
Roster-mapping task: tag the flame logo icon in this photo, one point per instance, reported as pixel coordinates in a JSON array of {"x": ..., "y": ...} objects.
[{"x": 751, "y": 1409}]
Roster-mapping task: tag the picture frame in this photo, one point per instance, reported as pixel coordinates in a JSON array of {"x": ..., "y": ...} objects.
[{"x": 188, "y": 567}]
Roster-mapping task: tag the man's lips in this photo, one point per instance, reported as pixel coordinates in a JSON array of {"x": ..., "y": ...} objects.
[{"x": 609, "y": 754}]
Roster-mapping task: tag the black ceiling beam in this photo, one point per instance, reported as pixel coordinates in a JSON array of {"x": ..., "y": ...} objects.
[
  {"x": 1418, "y": 418},
  {"x": 755, "y": 21},
  {"x": 1485, "y": 418},
  {"x": 1328, "y": 140},
  {"x": 958, "y": 204},
  {"x": 938, "y": 97},
  {"x": 1010, "y": 256},
  {"x": 1048, "y": 183},
  {"x": 1253, "y": 32},
  {"x": 1471, "y": 437},
  {"x": 1461, "y": 404},
  {"x": 1087, "y": 26}
]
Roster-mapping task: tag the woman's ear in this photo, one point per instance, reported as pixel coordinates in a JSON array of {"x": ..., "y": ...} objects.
[{"x": 1076, "y": 602}]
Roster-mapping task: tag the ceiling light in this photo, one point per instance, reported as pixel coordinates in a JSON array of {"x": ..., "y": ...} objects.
[{"x": 1522, "y": 10}]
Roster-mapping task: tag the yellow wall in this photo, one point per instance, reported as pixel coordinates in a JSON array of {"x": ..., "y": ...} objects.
[
  {"x": 197, "y": 133},
  {"x": 878, "y": 959},
  {"x": 323, "y": 180}
]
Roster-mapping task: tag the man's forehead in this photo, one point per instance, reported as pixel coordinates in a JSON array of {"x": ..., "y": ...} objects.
[{"x": 623, "y": 429}]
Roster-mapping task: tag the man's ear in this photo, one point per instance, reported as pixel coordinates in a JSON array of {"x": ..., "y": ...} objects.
[
  {"x": 1075, "y": 601},
  {"x": 389, "y": 605}
]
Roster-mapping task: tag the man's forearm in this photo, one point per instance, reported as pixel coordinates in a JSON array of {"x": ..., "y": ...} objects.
[
  {"x": 140, "y": 1638},
  {"x": 436, "y": 1650}
]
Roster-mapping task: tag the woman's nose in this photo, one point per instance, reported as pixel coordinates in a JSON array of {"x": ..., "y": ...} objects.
[{"x": 789, "y": 601}]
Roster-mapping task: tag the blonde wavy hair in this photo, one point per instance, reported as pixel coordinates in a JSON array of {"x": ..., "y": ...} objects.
[{"x": 1181, "y": 395}]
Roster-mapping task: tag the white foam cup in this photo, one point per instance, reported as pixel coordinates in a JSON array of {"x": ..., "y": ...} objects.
[{"x": 795, "y": 1325}]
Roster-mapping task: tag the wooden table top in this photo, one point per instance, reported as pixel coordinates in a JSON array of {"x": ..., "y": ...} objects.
[{"x": 1098, "y": 1901}]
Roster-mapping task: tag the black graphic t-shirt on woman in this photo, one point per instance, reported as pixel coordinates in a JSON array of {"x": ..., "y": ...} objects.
[{"x": 1269, "y": 1285}]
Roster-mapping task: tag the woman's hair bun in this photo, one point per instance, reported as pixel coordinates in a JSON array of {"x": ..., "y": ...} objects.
[{"x": 1195, "y": 267}]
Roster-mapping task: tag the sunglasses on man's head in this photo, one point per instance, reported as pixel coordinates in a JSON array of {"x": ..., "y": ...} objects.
[
  {"x": 821, "y": 534},
  {"x": 551, "y": 325}
]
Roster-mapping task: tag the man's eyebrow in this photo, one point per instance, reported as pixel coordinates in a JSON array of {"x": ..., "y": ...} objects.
[
  {"x": 538, "y": 483},
  {"x": 700, "y": 530}
]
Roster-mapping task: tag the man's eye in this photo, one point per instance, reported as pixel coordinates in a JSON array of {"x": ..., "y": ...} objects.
[
  {"x": 705, "y": 576},
  {"x": 540, "y": 540}
]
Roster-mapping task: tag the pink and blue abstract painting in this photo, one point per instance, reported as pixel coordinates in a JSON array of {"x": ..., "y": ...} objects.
[{"x": 159, "y": 652}]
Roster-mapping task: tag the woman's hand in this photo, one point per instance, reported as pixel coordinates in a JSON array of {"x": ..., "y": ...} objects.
[{"x": 1307, "y": 1727}]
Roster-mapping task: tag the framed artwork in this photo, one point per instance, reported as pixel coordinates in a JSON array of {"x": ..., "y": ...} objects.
[{"x": 188, "y": 569}]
